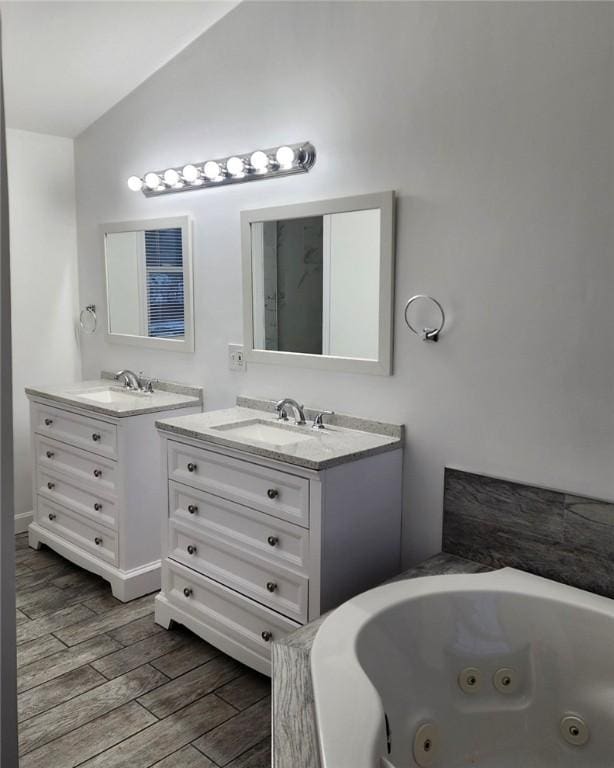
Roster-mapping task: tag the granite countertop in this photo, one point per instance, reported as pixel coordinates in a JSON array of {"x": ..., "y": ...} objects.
[
  {"x": 295, "y": 738},
  {"x": 165, "y": 397},
  {"x": 344, "y": 439}
]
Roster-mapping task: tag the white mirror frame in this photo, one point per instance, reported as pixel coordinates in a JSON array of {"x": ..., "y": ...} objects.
[
  {"x": 384, "y": 201},
  {"x": 186, "y": 344}
]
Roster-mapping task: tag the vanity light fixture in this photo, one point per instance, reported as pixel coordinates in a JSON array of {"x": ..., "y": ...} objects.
[{"x": 260, "y": 164}]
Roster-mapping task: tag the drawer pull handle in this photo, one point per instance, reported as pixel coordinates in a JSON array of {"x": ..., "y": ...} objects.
[
  {"x": 191, "y": 549},
  {"x": 50, "y": 454},
  {"x": 97, "y": 506},
  {"x": 192, "y": 509},
  {"x": 96, "y": 437},
  {"x": 98, "y": 473},
  {"x": 267, "y": 636},
  {"x": 97, "y": 541},
  {"x": 271, "y": 586},
  {"x": 192, "y": 467},
  {"x": 272, "y": 493},
  {"x": 273, "y": 540},
  {"x": 48, "y": 422},
  {"x": 187, "y": 591},
  {"x": 51, "y": 515},
  {"x": 51, "y": 486}
]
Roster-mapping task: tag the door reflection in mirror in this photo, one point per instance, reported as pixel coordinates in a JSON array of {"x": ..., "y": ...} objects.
[{"x": 316, "y": 284}]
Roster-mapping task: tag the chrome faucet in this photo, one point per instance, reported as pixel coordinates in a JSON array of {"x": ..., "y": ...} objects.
[
  {"x": 281, "y": 408},
  {"x": 131, "y": 380}
]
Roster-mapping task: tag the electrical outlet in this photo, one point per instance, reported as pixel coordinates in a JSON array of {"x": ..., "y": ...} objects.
[{"x": 236, "y": 358}]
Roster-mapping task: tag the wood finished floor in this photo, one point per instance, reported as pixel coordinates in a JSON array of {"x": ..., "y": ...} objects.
[{"x": 100, "y": 685}]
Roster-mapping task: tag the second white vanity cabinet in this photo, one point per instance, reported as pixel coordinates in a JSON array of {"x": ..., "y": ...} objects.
[
  {"x": 257, "y": 546},
  {"x": 95, "y": 478}
]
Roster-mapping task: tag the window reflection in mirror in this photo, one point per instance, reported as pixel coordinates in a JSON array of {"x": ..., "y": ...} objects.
[
  {"x": 145, "y": 284},
  {"x": 315, "y": 283},
  {"x": 148, "y": 265}
]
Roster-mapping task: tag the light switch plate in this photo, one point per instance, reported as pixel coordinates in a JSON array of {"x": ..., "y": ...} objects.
[{"x": 236, "y": 358}]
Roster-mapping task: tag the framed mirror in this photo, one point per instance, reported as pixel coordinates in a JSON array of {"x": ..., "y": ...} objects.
[
  {"x": 318, "y": 284},
  {"x": 148, "y": 268}
]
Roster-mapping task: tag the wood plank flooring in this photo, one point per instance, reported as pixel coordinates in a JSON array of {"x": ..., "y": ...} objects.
[{"x": 102, "y": 686}]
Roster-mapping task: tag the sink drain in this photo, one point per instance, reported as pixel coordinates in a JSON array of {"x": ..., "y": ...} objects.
[
  {"x": 425, "y": 744},
  {"x": 469, "y": 680},
  {"x": 574, "y": 730}
]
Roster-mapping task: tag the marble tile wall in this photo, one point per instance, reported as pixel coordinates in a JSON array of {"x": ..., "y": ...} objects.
[{"x": 550, "y": 533}]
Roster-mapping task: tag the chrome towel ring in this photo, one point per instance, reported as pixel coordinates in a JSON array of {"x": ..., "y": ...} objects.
[
  {"x": 427, "y": 334},
  {"x": 87, "y": 319}
]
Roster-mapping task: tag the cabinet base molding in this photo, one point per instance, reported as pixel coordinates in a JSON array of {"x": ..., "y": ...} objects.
[
  {"x": 166, "y": 613},
  {"x": 125, "y": 585}
]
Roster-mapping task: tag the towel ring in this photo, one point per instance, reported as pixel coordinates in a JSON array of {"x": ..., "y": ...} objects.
[
  {"x": 87, "y": 319},
  {"x": 427, "y": 334}
]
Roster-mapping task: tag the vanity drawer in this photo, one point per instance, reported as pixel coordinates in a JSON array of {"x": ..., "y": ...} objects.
[
  {"x": 278, "y": 587},
  {"x": 85, "y": 467},
  {"x": 96, "y": 540},
  {"x": 91, "y": 434},
  {"x": 275, "y": 540},
  {"x": 224, "y": 611},
  {"x": 280, "y": 494},
  {"x": 95, "y": 507}
]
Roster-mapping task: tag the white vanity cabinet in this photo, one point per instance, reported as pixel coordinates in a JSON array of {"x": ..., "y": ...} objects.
[
  {"x": 254, "y": 547},
  {"x": 96, "y": 491}
]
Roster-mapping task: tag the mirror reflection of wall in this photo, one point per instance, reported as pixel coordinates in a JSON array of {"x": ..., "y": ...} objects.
[{"x": 316, "y": 284}]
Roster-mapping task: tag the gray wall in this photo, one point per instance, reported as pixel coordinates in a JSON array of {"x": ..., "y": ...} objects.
[{"x": 494, "y": 123}]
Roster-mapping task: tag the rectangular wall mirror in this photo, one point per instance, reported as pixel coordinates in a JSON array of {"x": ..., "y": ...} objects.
[
  {"x": 148, "y": 267},
  {"x": 318, "y": 284}
]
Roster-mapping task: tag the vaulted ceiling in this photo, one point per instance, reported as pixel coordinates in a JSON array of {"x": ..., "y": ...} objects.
[{"x": 67, "y": 63}]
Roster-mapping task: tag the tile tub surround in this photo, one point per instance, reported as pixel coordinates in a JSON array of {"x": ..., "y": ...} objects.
[
  {"x": 100, "y": 684},
  {"x": 295, "y": 739},
  {"x": 337, "y": 444},
  {"x": 553, "y": 534},
  {"x": 166, "y": 396}
]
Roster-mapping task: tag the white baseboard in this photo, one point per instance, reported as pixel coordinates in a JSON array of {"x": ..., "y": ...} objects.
[{"x": 22, "y": 521}]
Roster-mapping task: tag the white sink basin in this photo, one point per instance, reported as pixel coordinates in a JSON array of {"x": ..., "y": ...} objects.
[
  {"x": 265, "y": 432},
  {"x": 106, "y": 396}
]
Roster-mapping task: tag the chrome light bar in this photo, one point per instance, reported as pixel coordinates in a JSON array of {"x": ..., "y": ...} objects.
[{"x": 234, "y": 169}]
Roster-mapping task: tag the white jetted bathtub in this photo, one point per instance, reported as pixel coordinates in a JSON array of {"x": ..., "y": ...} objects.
[{"x": 499, "y": 670}]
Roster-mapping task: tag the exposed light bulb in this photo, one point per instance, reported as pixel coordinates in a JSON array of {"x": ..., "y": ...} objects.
[
  {"x": 235, "y": 166},
  {"x": 135, "y": 183},
  {"x": 212, "y": 170},
  {"x": 171, "y": 177},
  {"x": 152, "y": 180},
  {"x": 259, "y": 160},
  {"x": 285, "y": 157},
  {"x": 190, "y": 173}
]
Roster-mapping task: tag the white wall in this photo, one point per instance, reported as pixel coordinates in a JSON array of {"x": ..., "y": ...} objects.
[
  {"x": 43, "y": 280},
  {"x": 494, "y": 123}
]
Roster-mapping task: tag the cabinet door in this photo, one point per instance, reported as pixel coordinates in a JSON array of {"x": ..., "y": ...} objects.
[
  {"x": 279, "y": 588},
  {"x": 280, "y": 494},
  {"x": 275, "y": 540},
  {"x": 91, "y": 434}
]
